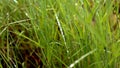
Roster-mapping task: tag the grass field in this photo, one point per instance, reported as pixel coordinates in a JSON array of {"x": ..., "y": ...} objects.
[{"x": 59, "y": 34}]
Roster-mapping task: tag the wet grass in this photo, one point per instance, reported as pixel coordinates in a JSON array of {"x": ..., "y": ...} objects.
[{"x": 59, "y": 34}]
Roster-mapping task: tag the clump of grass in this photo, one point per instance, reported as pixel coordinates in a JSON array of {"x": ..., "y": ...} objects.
[{"x": 64, "y": 34}]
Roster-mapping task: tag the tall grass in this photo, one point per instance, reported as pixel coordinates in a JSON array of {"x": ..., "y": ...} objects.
[{"x": 59, "y": 33}]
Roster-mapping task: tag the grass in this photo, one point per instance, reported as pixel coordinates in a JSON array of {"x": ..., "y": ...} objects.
[{"x": 59, "y": 34}]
